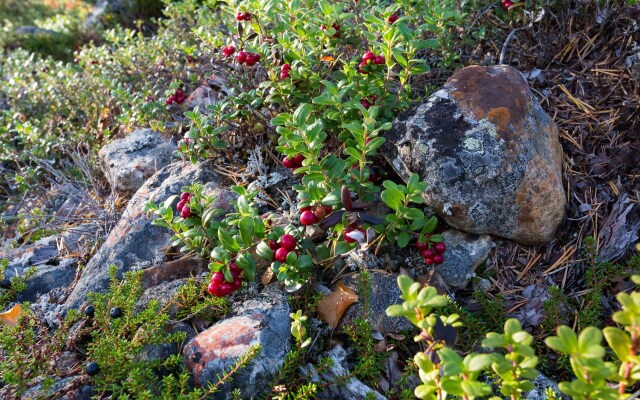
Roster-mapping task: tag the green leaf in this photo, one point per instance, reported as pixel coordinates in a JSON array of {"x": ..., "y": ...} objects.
[
  {"x": 478, "y": 362},
  {"x": 619, "y": 341},
  {"x": 246, "y": 228},
  {"x": 392, "y": 198},
  {"x": 403, "y": 239},
  {"x": 248, "y": 265},
  {"x": 263, "y": 250},
  {"x": 302, "y": 113},
  {"x": 227, "y": 241},
  {"x": 475, "y": 388}
]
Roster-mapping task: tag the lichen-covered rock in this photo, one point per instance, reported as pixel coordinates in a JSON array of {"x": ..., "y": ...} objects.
[
  {"x": 489, "y": 153},
  {"x": 349, "y": 387},
  {"x": 383, "y": 292},
  {"x": 134, "y": 242},
  {"x": 50, "y": 270},
  {"x": 130, "y": 161},
  {"x": 464, "y": 254},
  {"x": 262, "y": 320}
]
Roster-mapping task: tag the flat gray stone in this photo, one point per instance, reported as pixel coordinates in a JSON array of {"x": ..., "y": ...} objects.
[
  {"x": 465, "y": 252},
  {"x": 130, "y": 161},
  {"x": 384, "y": 292}
]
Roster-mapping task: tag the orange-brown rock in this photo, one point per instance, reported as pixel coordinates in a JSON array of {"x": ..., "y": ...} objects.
[
  {"x": 488, "y": 151},
  {"x": 264, "y": 320}
]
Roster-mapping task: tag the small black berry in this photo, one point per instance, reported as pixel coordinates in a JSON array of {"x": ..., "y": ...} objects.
[
  {"x": 115, "y": 312},
  {"x": 89, "y": 311},
  {"x": 92, "y": 368}
]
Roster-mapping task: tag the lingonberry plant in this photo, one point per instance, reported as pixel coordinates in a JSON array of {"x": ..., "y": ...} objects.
[{"x": 444, "y": 372}]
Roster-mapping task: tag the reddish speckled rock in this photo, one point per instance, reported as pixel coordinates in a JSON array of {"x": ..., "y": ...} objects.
[
  {"x": 489, "y": 153},
  {"x": 263, "y": 321}
]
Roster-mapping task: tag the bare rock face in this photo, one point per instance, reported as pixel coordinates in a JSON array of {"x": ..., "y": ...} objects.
[
  {"x": 130, "y": 161},
  {"x": 134, "y": 243},
  {"x": 489, "y": 153}
]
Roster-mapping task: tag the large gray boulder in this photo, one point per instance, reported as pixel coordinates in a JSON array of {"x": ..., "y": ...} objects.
[
  {"x": 130, "y": 161},
  {"x": 135, "y": 242},
  {"x": 263, "y": 320},
  {"x": 489, "y": 153}
]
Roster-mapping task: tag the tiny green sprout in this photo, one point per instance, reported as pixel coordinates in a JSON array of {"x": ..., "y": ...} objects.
[{"x": 298, "y": 330}]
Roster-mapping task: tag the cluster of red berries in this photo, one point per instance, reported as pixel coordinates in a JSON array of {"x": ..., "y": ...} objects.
[
  {"x": 354, "y": 234},
  {"x": 334, "y": 26},
  {"x": 250, "y": 59},
  {"x": 182, "y": 207},
  {"x": 178, "y": 97},
  {"x": 311, "y": 215},
  {"x": 284, "y": 71},
  {"x": 393, "y": 18},
  {"x": 228, "y": 51},
  {"x": 366, "y": 103},
  {"x": 293, "y": 162},
  {"x": 506, "y": 4},
  {"x": 432, "y": 255},
  {"x": 243, "y": 16},
  {"x": 370, "y": 58},
  {"x": 281, "y": 250},
  {"x": 220, "y": 287}
]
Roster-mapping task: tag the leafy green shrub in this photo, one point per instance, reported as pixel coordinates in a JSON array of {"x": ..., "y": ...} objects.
[{"x": 444, "y": 372}]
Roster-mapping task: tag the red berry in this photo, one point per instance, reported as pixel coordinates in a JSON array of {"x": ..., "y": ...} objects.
[
  {"x": 284, "y": 75},
  {"x": 392, "y": 18},
  {"x": 379, "y": 60},
  {"x": 241, "y": 57},
  {"x": 506, "y": 4},
  {"x": 184, "y": 196},
  {"x": 421, "y": 246},
  {"x": 226, "y": 289},
  {"x": 214, "y": 289},
  {"x": 427, "y": 253},
  {"x": 252, "y": 59},
  {"x": 352, "y": 235},
  {"x": 218, "y": 278},
  {"x": 186, "y": 212},
  {"x": 298, "y": 159},
  {"x": 285, "y": 67},
  {"x": 328, "y": 210},
  {"x": 247, "y": 16},
  {"x": 438, "y": 259},
  {"x": 336, "y": 26},
  {"x": 307, "y": 208},
  {"x": 322, "y": 27},
  {"x": 439, "y": 248},
  {"x": 237, "y": 283},
  {"x": 368, "y": 56},
  {"x": 281, "y": 254},
  {"x": 228, "y": 51},
  {"x": 288, "y": 242},
  {"x": 308, "y": 218},
  {"x": 289, "y": 163},
  {"x": 365, "y": 104},
  {"x": 362, "y": 70},
  {"x": 428, "y": 261},
  {"x": 180, "y": 205},
  {"x": 273, "y": 245},
  {"x": 233, "y": 267}
]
